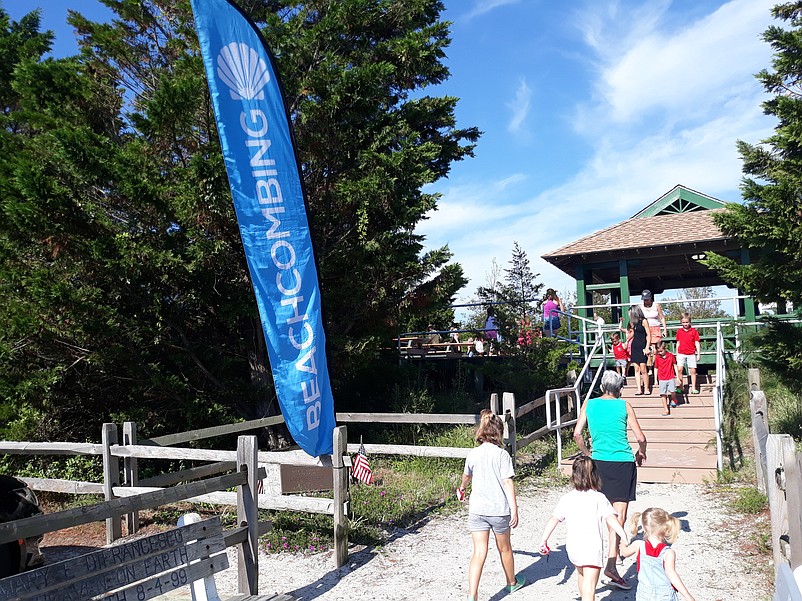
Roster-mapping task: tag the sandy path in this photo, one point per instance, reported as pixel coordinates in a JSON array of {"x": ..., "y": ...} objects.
[{"x": 430, "y": 562}]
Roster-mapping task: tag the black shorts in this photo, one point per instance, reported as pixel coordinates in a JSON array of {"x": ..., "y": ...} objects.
[{"x": 619, "y": 479}]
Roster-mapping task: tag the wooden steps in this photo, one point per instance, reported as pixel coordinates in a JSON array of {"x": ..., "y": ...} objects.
[{"x": 681, "y": 447}]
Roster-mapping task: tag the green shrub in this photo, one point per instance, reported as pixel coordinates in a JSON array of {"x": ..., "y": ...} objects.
[{"x": 750, "y": 500}]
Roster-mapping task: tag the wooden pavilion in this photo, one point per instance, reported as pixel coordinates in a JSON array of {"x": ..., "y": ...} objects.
[{"x": 659, "y": 248}]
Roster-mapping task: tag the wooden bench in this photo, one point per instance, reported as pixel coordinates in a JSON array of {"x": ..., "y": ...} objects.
[{"x": 138, "y": 570}]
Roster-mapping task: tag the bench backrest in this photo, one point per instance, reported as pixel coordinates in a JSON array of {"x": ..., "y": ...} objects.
[{"x": 133, "y": 571}]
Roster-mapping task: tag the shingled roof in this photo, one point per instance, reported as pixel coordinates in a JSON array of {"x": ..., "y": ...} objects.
[{"x": 646, "y": 232}]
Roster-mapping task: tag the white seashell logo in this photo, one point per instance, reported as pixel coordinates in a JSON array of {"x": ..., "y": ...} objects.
[{"x": 240, "y": 67}]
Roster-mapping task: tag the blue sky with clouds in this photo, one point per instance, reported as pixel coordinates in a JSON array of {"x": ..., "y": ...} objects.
[{"x": 590, "y": 109}]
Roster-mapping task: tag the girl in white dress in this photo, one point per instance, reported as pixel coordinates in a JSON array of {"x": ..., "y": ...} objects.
[{"x": 587, "y": 513}]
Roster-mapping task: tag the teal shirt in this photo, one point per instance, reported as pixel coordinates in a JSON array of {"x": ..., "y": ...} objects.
[{"x": 607, "y": 421}]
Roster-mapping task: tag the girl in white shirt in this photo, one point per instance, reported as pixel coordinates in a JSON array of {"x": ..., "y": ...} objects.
[{"x": 586, "y": 513}]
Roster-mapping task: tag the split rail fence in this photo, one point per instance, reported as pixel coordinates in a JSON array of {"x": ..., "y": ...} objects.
[
  {"x": 778, "y": 469},
  {"x": 126, "y": 494}
]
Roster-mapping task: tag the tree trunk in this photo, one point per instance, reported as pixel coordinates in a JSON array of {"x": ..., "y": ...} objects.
[{"x": 266, "y": 405}]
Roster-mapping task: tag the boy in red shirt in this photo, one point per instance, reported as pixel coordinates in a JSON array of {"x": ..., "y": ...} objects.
[
  {"x": 689, "y": 351},
  {"x": 666, "y": 365}
]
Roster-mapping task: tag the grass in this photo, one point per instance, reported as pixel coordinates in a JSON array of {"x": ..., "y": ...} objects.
[
  {"x": 406, "y": 491},
  {"x": 749, "y": 500}
]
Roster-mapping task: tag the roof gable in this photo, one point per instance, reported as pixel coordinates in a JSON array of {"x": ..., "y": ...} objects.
[{"x": 680, "y": 200}]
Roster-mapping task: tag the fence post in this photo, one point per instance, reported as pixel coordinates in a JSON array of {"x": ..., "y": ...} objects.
[
  {"x": 131, "y": 473},
  {"x": 510, "y": 434},
  {"x": 248, "y": 515},
  {"x": 494, "y": 403},
  {"x": 111, "y": 478},
  {"x": 760, "y": 430},
  {"x": 340, "y": 470},
  {"x": 775, "y": 489},
  {"x": 753, "y": 377},
  {"x": 793, "y": 495}
]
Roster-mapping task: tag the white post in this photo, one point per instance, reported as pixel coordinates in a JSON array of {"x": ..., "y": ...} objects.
[{"x": 206, "y": 589}]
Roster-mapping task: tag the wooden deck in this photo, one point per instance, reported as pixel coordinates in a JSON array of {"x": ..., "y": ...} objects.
[{"x": 682, "y": 447}]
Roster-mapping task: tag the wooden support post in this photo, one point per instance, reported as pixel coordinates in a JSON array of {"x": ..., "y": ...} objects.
[
  {"x": 510, "y": 434},
  {"x": 111, "y": 478},
  {"x": 753, "y": 377},
  {"x": 792, "y": 463},
  {"x": 131, "y": 473},
  {"x": 494, "y": 403},
  {"x": 248, "y": 515},
  {"x": 775, "y": 489},
  {"x": 760, "y": 430},
  {"x": 341, "y": 525}
]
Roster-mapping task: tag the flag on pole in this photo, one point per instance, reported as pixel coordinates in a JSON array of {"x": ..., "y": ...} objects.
[
  {"x": 360, "y": 469},
  {"x": 269, "y": 200}
]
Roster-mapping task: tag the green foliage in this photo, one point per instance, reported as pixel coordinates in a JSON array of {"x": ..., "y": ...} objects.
[
  {"x": 780, "y": 345},
  {"x": 697, "y": 310},
  {"x": 529, "y": 371},
  {"x": 514, "y": 297},
  {"x": 750, "y": 500},
  {"x": 769, "y": 222},
  {"x": 407, "y": 489},
  {"x": 123, "y": 283}
]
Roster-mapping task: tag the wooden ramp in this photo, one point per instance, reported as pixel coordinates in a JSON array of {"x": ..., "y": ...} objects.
[{"x": 682, "y": 447}]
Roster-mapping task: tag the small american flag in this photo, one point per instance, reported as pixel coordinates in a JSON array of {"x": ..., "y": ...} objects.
[{"x": 360, "y": 468}]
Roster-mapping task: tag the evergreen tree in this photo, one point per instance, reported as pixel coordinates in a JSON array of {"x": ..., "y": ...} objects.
[
  {"x": 123, "y": 276},
  {"x": 769, "y": 222},
  {"x": 514, "y": 297}
]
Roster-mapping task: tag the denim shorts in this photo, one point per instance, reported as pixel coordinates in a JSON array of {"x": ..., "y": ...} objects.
[{"x": 483, "y": 523}]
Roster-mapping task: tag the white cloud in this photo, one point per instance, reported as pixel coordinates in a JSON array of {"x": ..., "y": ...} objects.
[
  {"x": 481, "y": 7},
  {"x": 520, "y": 107},
  {"x": 650, "y": 66},
  {"x": 668, "y": 97}
]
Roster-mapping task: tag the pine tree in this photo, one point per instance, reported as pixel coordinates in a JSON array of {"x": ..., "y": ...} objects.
[
  {"x": 123, "y": 275},
  {"x": 769, "y": 222}
]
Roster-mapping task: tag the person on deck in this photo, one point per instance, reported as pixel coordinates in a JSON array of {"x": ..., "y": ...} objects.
[
  {"x": 641, "y": 342},
  {"x": 551, "y": 320},
  {"x": 653, "y": 312}
]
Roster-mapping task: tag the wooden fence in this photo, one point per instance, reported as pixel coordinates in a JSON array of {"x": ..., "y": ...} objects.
[
  {"x": 778, "y": 470},
  {"x": 245, "y": 536},
  {"x": 126, "y": 494}
]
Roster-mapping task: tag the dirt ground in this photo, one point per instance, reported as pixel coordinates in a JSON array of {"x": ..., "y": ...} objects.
[{"x": 718, "y": 557}]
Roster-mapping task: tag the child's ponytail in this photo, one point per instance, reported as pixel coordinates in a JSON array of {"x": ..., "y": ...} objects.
[
  {"x": 634, "y": 520},
  {"x": 672, "y": 529}
]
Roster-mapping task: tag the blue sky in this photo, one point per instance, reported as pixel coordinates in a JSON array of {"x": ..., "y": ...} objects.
[{"x": 590, "y": 109}]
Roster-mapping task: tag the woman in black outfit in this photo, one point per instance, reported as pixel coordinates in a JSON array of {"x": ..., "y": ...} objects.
[{"x": 641, "y": 341}]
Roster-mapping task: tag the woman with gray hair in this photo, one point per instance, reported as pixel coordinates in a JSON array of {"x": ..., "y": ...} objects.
[
  {"x": 608, "y": 418},
  {"x": 641, "y": 342}
]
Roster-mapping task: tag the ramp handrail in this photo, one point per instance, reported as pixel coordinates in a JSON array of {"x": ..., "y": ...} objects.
[
  {"x": 555, "y": 421},
  {"x": 718, "y": 393}
]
